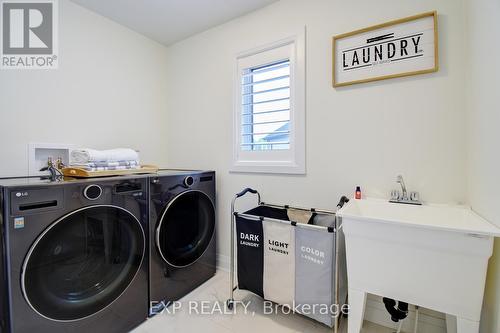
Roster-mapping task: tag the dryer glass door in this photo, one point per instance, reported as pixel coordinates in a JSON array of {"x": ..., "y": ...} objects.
[
  {"x": 83, "y": 262},
  {"x": 186, "y": 228}
]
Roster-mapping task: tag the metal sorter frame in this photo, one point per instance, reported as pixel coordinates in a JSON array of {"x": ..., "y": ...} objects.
[{"x": 337, "y": 232}]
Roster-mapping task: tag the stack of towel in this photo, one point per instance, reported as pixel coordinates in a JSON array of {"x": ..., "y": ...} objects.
[{"x": 99, "y": 160}]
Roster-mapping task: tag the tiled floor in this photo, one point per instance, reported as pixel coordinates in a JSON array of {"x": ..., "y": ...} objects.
[{"x": 215, "y": 292}]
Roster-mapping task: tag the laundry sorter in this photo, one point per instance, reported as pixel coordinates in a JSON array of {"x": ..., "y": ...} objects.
[{"x": 291, "y": 256}]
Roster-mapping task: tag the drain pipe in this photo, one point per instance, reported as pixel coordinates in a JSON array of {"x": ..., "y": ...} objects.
[{"x": 398, "y": 312}]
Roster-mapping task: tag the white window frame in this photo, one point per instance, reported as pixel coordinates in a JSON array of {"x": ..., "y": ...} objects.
[{"x": 290, "y": 161}]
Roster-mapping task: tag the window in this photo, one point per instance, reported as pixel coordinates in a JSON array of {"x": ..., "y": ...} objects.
[
  {"x": 269, "y": 109},
  {"x": 266, "y": 107}
]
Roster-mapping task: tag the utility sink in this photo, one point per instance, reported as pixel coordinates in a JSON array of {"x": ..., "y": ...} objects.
[{"x": 434, "y": 256}]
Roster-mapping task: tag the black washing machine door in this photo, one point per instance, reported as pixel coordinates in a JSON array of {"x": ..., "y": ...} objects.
[
  {"x": 83, "y": 262},
  {"x": 185, "y": 228}
]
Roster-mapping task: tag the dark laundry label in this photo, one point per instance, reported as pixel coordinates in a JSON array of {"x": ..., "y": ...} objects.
[{"x": 250, "y": 255}]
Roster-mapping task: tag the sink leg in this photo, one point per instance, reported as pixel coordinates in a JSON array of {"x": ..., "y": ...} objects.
[
  {"x": 467, "y": 326},
  {"x": 451, "y": 324},
  {"x": 357, "y": 303}
]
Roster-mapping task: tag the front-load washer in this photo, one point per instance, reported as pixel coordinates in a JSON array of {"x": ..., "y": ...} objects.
[
  {"x": 182, "y": 234},
  {"x": 74, "y": 254}
]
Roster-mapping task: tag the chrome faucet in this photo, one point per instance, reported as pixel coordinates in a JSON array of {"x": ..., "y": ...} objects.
[
  {"x": 401, "y": 182},
  {"x": 398, "y": 197}
]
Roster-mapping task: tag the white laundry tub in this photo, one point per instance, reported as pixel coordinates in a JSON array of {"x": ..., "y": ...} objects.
[{"x": 433, "y": 256}]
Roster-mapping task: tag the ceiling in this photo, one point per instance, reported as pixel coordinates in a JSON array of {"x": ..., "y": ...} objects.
[{"x": 168, "y": 21}]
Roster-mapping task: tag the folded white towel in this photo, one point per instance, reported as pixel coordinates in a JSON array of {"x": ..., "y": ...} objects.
[
  {"x": 112, "y": 155},
  {"x": 121, "y": 167},
  {"x": 105, "y": 164}
]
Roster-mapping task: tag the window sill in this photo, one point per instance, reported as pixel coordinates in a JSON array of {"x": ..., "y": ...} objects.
[{"x": 274, "y": 168}]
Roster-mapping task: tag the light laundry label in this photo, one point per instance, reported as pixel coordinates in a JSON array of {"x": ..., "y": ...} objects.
[
  {"x": 279, "y": 262},
  {"x": 278, "y": 246}
]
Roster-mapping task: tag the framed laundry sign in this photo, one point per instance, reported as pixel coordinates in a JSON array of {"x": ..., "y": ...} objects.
[{"x": 403, "y": 47}]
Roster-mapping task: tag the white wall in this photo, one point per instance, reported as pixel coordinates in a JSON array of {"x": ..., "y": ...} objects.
[
  {"x": 359, "y": 135},
  {"x": 483, "y": 120},
  {"x": 109, "y": 91}
]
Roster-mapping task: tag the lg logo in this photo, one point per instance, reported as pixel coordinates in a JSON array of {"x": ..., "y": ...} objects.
[
  {"x": 29, "y": 28},
  {"x": 21, "y": 194}
]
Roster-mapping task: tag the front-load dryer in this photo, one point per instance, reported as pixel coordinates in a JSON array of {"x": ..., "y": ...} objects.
[
  {"x": 74, "y": 254},
  {"x": 182, "y": 234}
]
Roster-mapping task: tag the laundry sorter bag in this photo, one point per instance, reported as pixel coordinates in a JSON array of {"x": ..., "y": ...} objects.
[
  {"x": 267, "y": 211},
  {"x": 342, "y": 268},
  {"x": 314, "y": 275},
  {"x": 329, "y": 221},
  {"x": 250, "y": 254},
  {"x": 279, "y": 262},
  {"x": 299, "y": 215},
  {"x": 324, "y": 220}
]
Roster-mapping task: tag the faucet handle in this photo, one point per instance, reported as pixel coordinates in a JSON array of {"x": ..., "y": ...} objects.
[
  {"x": 395, "y": 195},
  {"x": 414, "y": 196}
]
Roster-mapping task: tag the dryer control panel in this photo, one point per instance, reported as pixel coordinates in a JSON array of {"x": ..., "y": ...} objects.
[{"x": 36, "y": 200}]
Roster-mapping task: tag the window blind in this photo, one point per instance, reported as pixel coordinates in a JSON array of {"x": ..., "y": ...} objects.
[{"x": 265, "y": 111}]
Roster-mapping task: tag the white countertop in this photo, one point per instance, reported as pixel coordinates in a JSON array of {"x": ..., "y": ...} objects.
[{"x": 430, "y": 216}]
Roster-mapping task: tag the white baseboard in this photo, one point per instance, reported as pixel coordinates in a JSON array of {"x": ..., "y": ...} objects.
[{"x": 429, "y": 321}]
